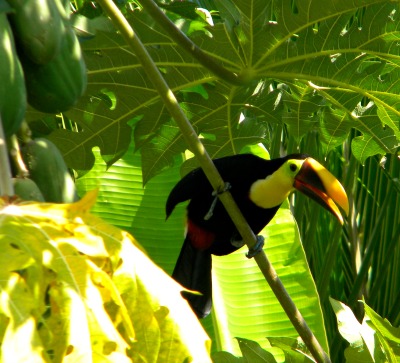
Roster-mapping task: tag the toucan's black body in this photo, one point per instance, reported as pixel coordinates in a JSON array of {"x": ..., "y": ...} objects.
[
  {"x": 215, "y": 235},
  {"x": 259, "y": 187},
  {"x": 240, "y": 171}
]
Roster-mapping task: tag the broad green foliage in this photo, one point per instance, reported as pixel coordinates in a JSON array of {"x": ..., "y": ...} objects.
[
  {"x": 238, "y": 284},
  {"x": 325, "y": 68},
  {"x": 294, "y": 352},
  {"x": 76, "y": 289},
  {"x": 373, "y": 340}
]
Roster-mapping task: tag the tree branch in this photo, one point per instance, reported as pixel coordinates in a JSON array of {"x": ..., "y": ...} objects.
[
  {"x": 213, "y": 176},
  {"x": 180, "y": 38}
]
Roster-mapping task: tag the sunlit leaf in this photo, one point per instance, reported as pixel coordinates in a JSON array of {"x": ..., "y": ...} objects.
[
  {"x": 360, "y": 336},
  {"x": 86, "y": 291},
  {"x": 389, "y": 336}
]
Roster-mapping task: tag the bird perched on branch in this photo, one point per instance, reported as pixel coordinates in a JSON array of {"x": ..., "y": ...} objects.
[{"x": 259, "y": 187}]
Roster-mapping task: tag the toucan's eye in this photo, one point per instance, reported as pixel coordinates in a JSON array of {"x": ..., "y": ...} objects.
[{"x": 293, "y": 167}]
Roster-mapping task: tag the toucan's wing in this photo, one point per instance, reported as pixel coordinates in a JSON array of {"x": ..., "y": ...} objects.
[{"x": 186, "y": 189}]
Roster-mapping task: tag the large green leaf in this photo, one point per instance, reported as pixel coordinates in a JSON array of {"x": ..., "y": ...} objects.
[
  {"x": 245, "y": 306},
  {"x": 298, "y": 62},
  {"x": 124, "y": 202}
]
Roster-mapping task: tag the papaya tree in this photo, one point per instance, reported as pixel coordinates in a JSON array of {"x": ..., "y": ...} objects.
[{"x": 266, "y": 77}]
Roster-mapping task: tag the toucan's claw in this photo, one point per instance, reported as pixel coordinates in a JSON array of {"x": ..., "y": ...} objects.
[
  {"x": 257, "y": 248},
  {"x": 215, "y": 194}
]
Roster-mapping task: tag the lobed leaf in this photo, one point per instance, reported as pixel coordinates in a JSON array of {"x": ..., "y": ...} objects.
[
  {"x": 82, "y": 290},
  {"x": 296, "y": 60}
]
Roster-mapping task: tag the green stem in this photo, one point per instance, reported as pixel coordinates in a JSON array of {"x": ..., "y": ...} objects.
[
  {"x": 6, "y": 187},
  {"x": 180, "y": 38},
  {"x": 18, "y": 163},
  {"x": 213, "y": 176}
]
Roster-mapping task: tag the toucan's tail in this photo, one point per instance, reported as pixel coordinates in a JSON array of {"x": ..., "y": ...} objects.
[{"x": 193, "y": 271}]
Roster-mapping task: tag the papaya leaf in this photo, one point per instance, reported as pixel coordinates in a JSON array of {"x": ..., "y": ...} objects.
[
  {"x": 335, "y": 124},
  {"x": 301, "y": 107},
  {"x": 218, "y": 119},
  {"x": 20, "y": 326},
  {"x": 295, "y": 60},
  {"x": 86, "y": 291}
]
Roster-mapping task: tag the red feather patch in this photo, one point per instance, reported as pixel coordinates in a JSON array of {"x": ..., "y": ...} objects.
[{"x": 200, "y": 238}]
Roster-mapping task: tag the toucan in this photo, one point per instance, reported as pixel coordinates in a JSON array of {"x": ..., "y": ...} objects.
[{"x": 259, "y": 187}]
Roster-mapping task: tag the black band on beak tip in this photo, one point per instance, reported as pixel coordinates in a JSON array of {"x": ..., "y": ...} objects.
[{"x": 320, "y": 185}]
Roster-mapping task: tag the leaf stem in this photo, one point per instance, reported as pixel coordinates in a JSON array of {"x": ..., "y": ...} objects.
[
  {"x": 180, "y": 38},
  {"x": 6, "y": 187},
  {"x": 18, "y": 163},
  {"x": 213, "y": 176}
]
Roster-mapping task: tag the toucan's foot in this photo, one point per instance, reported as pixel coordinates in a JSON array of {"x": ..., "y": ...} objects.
[
  {"x": 257, "y": 248},
  {"x": 215, "y": 194}
]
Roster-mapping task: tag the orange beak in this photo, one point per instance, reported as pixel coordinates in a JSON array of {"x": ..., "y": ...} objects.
[{"x": 320, "y": 185}]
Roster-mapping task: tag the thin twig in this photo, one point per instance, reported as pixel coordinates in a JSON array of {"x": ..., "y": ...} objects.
[{"x": 213, "y": 176}]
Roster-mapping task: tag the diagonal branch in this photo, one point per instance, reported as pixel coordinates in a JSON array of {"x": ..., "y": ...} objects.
[
  {"x": 215, "y": 179},
  {"x": 180, "y": 38}
]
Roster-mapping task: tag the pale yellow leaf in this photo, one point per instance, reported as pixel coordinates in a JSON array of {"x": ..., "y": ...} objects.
[{"x": 94, "y": 295}]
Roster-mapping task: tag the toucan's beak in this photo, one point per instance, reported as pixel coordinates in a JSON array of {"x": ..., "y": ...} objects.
[{"x": 319, "y": 184}]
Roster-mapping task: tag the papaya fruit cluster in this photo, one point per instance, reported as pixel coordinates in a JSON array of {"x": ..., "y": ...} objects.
[
  {"x": 49, "y": 178},
  {"x": 41, "y": 61},
  {"x": 41, "y": 64}
]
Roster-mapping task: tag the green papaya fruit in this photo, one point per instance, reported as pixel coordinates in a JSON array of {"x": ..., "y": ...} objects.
[
  {"x": 48, "y": 170},
  {"x": 56, "y": 86},
  {"x": 26, "y": 189},
  {"x": 12, "y": 84},
  {"x": 38, "y": 28}
]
